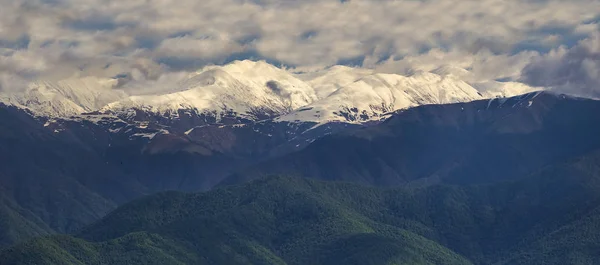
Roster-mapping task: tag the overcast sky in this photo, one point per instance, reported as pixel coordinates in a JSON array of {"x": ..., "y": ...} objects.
[{"x": 540, "y": 42}]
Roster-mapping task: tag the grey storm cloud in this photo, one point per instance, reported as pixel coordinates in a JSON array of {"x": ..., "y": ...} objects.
[
  {"x": 145, "y": 39},
  {"x": 575, "y": 70}
]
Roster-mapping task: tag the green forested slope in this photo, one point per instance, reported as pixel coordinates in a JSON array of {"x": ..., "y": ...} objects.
[
  {"x": 547, "y": 218},
  {"x": 273, "y": 221},
  {"x": 18, "y": 224}
]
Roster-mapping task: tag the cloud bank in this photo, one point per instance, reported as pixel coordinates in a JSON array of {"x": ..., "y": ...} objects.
[
  {"x": 574, "y": 71},
  {"x": 145, "y": 39}
]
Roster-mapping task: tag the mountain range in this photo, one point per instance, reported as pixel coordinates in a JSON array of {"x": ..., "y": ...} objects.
[
  {"x": 407, "y": 169},
  {"x": 257, "y": 91}
]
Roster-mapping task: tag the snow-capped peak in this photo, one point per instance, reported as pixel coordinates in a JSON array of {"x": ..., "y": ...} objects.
[
  {"x": 371, "y": 96},
  {"x": 242, "y": 87},
  {"x": 446, "y": 70},
  {"x": 329, "y": 80},
  {"x": 493, "y": 89},
  {"x": 66, "y": 97}
]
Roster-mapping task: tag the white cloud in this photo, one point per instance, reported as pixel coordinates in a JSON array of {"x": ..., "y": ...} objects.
[
  {"x": 482, "y": 65},
  {"x": 60, "y": 38},
  {"x": 201, "y": 48}
]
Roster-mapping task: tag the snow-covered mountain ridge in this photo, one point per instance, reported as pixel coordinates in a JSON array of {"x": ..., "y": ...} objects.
[
  {"x": 374, "y": 95},
  {"x": 257, "y": 90},
  {"x": 66, "y": 97}
]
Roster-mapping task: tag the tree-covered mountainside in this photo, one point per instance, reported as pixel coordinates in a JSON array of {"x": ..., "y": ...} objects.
[
  {"x": 548, "y": 217},
  {"x": 483, "y": 141},
  {"x": 272, "y": 221}
]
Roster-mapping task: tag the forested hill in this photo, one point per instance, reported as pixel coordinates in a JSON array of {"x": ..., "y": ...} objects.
[{"x": 546, "y": 218}]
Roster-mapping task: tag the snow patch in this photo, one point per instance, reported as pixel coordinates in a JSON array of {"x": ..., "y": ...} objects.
[
  {"x": 189, "y": 131},
  {"x": 149, "y": 135}
]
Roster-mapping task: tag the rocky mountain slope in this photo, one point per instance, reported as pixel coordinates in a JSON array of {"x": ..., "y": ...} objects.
[{"x": 465, "y": 143}]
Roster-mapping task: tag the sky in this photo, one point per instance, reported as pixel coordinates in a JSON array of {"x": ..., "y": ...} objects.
[{"x": 552, "y": 43}]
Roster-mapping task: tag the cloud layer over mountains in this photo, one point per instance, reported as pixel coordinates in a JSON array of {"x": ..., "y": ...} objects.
[
  {"x": 145, "y": 39},
  {"x": 575, "y": 70}
]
